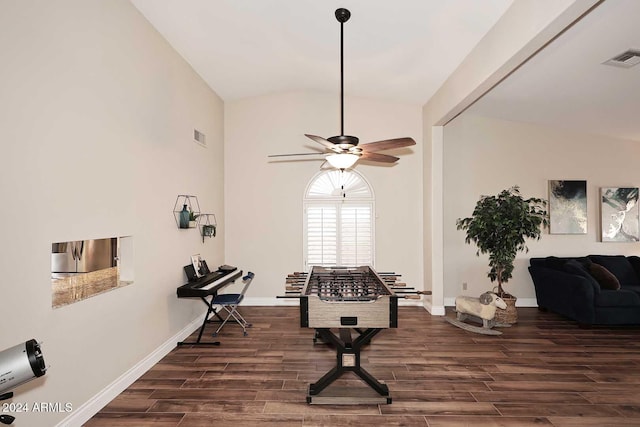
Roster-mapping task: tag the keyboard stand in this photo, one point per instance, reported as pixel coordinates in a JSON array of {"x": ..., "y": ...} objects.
[
  {"x": 224, "y": 281},
  {"x": 210, "y": 310}
]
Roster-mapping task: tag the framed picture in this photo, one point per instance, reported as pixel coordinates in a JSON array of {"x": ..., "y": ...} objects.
[
  {"x": 619, "y": 214},
  {"x": 204, "y": 268},
  {"x": 567, "y": 207},
  {"x": 196, "y": 260}
]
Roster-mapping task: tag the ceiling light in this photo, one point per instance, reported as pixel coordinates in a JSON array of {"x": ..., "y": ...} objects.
[
  {"x": 343, "y": 150},
  {"x": 342, "y": 161}
]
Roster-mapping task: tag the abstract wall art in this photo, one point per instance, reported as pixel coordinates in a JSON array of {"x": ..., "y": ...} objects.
[
  {"x": 619, "y": 214},
  {"x": 567, "y": 207}
]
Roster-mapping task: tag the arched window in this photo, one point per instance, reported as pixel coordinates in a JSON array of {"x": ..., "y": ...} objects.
[{"x": 338, "y": 220}]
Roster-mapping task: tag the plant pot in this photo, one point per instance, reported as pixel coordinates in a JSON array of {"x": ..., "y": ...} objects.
[
  {"x": 509, "y": 315},
  {"x": 209, "y": 230},
  {"x": 192, "y": 224}
]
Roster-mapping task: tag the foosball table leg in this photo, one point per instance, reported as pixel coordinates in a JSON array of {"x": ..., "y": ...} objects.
[{"x": 348, "y": 360}]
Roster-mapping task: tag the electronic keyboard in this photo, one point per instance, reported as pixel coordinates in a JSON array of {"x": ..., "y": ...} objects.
[{"x": 210, "y": 283}]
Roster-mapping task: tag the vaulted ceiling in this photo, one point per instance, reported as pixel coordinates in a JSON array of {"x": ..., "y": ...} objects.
[
  {"x": 400, "y": 50},
  {"x": 566, "y": 85},
  {"x": 403, "y": 50}
]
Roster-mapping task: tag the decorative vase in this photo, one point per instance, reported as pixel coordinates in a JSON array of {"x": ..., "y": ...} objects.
[{"x": 184, "y": 217}]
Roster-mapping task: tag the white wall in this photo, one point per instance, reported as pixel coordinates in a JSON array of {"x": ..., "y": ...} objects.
[
  {"x": 96, "y": 125},
  {"x": 263, "y": 198},
  {"x": 529, "y": 24},
  {"x": 483, "y": 156}
]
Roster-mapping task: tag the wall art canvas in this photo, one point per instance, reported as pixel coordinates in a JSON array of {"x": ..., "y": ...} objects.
[
  {"x": 619, "y": 214},
  {"x": 567, "y": 207}
]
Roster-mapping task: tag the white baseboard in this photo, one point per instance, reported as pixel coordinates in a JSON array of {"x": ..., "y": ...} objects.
[
  {"x": 434, "y": 310},
  {"x": 272, "y": 302},
  {"x": 100, "y": 400},
  {"x": 526, "y": 302},
  {"x": 520, "y": 302}
]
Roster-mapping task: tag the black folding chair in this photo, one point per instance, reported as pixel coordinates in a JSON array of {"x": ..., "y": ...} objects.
[{"x": 230, "y": 303}]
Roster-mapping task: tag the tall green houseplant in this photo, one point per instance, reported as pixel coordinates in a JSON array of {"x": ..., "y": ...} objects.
[{"x": 499, "y": 226}]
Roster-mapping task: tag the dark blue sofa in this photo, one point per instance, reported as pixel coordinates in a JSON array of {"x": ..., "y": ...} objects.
[{"x": 586, "y": 293}]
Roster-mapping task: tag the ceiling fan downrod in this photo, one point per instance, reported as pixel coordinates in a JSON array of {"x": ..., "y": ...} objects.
[
  {"x": 342, "y": 15},
  {"x": 343, "y": 141},
  {"x": 342, "y": 151}
]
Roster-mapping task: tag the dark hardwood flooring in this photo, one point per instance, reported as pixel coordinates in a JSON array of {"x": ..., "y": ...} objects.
[{"x": 544, "y": 371}]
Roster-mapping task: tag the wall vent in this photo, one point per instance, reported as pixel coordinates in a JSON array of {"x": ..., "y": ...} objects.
[
  {"x": 199, "y": 137},
  {"x": 626, "y": 59}
]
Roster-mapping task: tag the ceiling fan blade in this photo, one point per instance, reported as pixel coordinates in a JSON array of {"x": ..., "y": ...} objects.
[
  {"x": 296, "y": 154},
  {"x": 387, "y": 144},
  {"x": 342, "y": 149},
  {"x": 376, "y": 157},
  {"x": 321, "y": 140}
]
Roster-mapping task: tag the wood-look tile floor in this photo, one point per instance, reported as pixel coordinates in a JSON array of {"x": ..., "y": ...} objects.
[{"x": 544, "y": 371}]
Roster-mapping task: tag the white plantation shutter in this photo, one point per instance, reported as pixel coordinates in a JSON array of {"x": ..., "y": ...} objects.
[
  {"x": 356, "y": 235},
  {"x": 338, "y": 221},
  {"x": 322, "y": 235}
]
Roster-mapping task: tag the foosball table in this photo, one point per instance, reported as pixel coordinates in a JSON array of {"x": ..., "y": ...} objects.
[{"x": 349, "y": 299}]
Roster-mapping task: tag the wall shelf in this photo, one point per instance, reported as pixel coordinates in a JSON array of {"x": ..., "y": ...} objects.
[
  {"x": 191, "y": 205},
  {"x": 208, "y": 225}
]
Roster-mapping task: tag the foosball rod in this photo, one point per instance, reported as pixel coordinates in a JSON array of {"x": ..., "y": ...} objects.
[{"x": 413, "y": 294}]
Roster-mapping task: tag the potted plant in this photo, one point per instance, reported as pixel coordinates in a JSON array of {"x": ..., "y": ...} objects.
[
  {"x": 208, "y": 230},
  {"x": 192, "y": 219},
  {"x": 499, "y": 226}
]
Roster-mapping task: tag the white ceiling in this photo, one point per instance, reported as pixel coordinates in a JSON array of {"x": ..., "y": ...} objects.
[
  {"x": 400, "y": 50},
  {"x": 403, "y": 50},
  {"x": 567, "y": 86}
]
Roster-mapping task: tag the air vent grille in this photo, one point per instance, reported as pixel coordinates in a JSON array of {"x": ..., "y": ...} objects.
[
  {"x": 199, "y": 137},
  {"x": 626, "y": 59}
]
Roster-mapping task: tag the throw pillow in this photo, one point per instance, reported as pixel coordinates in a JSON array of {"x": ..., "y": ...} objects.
[
  {"x": 619, "y": 266},
  {"x": 573, "y": 266},
  {"x": 604, "y": 277}
]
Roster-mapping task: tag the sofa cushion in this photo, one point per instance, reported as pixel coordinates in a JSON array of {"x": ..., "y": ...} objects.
[
  {"x": 635, "y": 264},
  {"x": 555, "y": 262},
  {"x": 619, "y": 266},
  {"x": 621, "y": 298},
  {"x": 585, "y": 261},
  {"x": 573, "y": 266},
  {"x": 635, "y": 289},
  {"x": 604, "y": 277}
]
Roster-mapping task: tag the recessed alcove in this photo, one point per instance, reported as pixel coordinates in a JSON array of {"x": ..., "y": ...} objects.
[{"x": 85, "y": 268}]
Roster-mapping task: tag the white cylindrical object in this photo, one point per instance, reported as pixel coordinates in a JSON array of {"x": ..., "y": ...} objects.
[{"x": 20, "y": 364}]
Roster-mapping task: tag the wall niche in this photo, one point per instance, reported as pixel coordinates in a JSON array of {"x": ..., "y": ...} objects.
[{"x": 84, "y": 268}]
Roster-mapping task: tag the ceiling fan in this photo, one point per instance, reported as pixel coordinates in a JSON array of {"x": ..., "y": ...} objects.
[{"x": 342, "y": 151}]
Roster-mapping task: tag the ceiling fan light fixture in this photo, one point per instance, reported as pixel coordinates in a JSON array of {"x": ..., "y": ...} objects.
[
  {"x": 342, "y": 160},
  {"x": 343, "y": 151}
]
